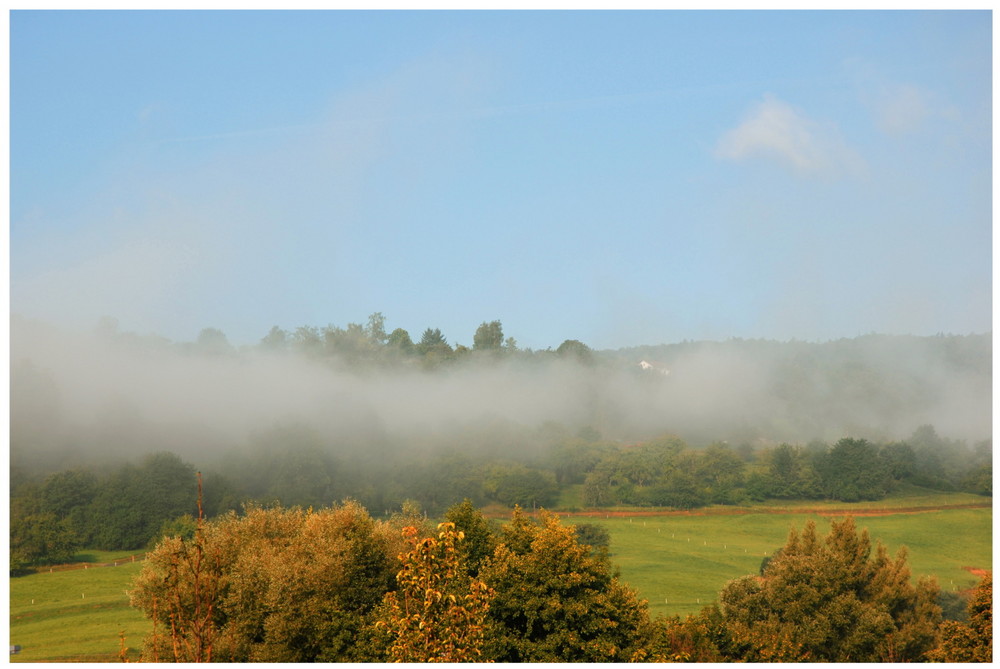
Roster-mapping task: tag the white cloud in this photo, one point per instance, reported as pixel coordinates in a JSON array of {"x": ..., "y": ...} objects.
[
  {"x": 902, "y": 109},
  {"x": 774, "y": 130},
  {"x": 899, "y": 108}
]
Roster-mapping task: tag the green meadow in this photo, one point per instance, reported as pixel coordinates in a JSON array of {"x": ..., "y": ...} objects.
[
  {"x": 75, "y": 615},
  {"x": 677, "y": 562},
  {"x": 680, "y": 563}
]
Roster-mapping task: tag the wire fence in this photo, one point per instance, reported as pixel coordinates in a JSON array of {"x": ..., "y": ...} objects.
[{"x": 116, "y": 562}]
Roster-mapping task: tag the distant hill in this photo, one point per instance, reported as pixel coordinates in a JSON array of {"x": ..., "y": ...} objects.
[{"x": 878, "y": 385}]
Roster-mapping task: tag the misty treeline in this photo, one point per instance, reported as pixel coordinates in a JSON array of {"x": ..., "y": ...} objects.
[
  {"x": 336, "y": 585},
  {"x": 665, "y": 472},
  {"x": 106, "y": 428},
  {"x": 131, "y": 505}
]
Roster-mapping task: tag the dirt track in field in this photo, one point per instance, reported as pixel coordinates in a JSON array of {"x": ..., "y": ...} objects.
[{"x": 857, "y": 512}]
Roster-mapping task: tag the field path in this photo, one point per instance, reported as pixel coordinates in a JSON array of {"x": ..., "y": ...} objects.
[{"x": 742, "y": 511}]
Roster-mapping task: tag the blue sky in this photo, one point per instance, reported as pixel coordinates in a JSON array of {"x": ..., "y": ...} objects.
[{"x": 620, "y": 178}]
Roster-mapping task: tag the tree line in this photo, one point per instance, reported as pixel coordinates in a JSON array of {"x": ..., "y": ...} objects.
[
  {"x": 127, "y": 507},
  {"x": 336, "y": 585},
  {"x": 666, "y": 472},
  {"x": 739, "y": 391},
  {"x": 365, "y": 343}
]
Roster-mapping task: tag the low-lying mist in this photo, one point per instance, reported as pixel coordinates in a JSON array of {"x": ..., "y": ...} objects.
[{"x": 89, "y": 398}]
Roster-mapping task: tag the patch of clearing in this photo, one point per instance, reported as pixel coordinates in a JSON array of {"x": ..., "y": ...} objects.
[{"x": 977, "y": 572}]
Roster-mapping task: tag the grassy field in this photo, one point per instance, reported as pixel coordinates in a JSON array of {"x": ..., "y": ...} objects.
[
  {"x": 678, "y": 562},
  {"x": 75, "y": 615}
]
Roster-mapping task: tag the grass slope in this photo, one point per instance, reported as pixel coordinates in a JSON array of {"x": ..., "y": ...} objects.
[
  {"x": 680, "y": 563},
  {"x": 74, "y": 615}
]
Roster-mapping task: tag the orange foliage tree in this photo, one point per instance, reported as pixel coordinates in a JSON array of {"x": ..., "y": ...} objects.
[
  {"x": 970, "y": 641},
  {"x": 439, "y": 612}
]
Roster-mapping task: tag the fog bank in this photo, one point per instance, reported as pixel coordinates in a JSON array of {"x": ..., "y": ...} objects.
[{"x": 78, "y": 398}]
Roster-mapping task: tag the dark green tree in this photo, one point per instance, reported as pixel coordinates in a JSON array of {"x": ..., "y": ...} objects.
[
  {"x": 595, "y": 536},
  {"x": 519, "y": 485},
  {"x": 480, "y": 537},
  {"x": 555, "y": 601},
  {"x": 67, "y": 495},
  {"x": 40, "y": 539},
  {"x": 678, "y": 489},
  {"x": 488, "y": 337},
  {"x": 790, "y": 474},
  {"x": 597, "y": 489},
  {"x": 853, "y": 471},
  {"x": 575, "y": 350},
  {"x": 185, "y": 527},
  {"x": 432, "y": 337},
  {"x": 900, "y": 460},
  {"x": 399, "y": 340},
  {"x": 134, "y": 501},
  {"x": 979, "y": 480},
  {"x": 443, "y": 480},
  {"x": 433, "y": 346}
]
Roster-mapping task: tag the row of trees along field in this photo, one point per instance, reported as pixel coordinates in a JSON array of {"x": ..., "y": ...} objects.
[
  {"x": 128, "y": 506},
  {"x": 667, "y": 473},
  {"x": 336, "y": 585}
]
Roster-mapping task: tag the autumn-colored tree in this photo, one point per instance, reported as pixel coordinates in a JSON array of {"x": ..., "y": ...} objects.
[
  {"x": 323, "y": 587},
  {"x": 281, "y": 585},
  {"x": 555, "y": 600},
  {"x": 830, "y": 600},
  {"x": 690, "y": 640},
  {"x": 188, "y": 593},
  {"x": 439, "y": 612},
  {"x": 970, "y": 641}
]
